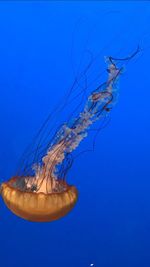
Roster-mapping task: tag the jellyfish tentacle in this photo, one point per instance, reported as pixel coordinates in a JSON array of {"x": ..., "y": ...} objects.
[{"x": 70, "y": 134}]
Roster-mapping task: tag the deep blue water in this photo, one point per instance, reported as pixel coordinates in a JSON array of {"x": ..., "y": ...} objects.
[{"x": 42, "y": 47}]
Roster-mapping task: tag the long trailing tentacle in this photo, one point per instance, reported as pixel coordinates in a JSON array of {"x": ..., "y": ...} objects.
[
  {"x": 58, "y": 159},
  {"x": 69, "y": 136}
]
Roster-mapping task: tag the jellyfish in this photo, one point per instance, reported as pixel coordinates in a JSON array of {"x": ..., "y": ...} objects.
[{"x": 46, "y": 196}]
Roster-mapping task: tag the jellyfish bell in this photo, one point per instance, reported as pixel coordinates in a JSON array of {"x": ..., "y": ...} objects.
[
  {"x": 45, "y": 195},
  {"x": 38, "y": 206}
]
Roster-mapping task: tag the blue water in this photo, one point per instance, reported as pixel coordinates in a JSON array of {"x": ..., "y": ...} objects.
[{"x": 42, "y": 48}]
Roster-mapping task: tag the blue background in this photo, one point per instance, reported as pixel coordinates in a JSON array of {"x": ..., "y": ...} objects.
[{"x": 41, "y": 45}]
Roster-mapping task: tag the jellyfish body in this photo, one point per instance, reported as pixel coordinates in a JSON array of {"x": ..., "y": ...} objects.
[
  {"x": 38, "y": 207},
  {"x": 44, "y": 196}
]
